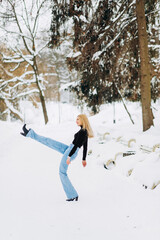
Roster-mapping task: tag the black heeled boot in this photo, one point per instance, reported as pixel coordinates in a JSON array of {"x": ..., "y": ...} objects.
[
  {"x": 25, "y": 130},
  {"x": 72, "y": 199}
]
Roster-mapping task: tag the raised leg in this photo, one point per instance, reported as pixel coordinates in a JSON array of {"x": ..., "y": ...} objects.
[{"x": 58, "y": 146}]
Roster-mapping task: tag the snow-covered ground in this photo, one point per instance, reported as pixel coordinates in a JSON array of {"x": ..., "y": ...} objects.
[{"x": 114, "y": 204}]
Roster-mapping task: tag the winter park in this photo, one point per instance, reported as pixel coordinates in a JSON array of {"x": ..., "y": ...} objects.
[{"x": 79, "y": 119}]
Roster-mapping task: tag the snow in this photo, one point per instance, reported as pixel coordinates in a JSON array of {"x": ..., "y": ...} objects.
[
  {"x": 113, "y": 204},
  {"x": 73, "y": 55},
  {"x": 83, "y": 18},
  {"x": 96, "y": 55}
]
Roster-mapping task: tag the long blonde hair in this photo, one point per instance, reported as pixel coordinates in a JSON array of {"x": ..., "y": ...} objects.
[{"x": 86, "y": 125}]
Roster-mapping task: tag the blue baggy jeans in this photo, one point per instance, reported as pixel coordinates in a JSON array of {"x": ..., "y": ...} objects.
[{"x": 65, "y": 150}]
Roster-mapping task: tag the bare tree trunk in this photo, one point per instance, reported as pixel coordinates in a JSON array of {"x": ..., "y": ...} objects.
[
  {"x": 41, "y": 95},
  {"x": 27, "y": 47},
  {"x": 125, "y": 106},
  {"x": 43, "y": 103},
  {"x": 147, "y": 114}
]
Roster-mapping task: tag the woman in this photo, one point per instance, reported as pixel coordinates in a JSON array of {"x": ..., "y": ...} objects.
[{"x": 69, "y": 152}]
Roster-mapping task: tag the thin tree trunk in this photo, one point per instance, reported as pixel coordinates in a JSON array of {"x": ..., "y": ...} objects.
[
  {"x": 59, "y": 95},
  {"x": 42, "y": 99},
  {"x": 32, "y": 32},
  {"x": 147, "y": 114},
  {"x": 124, "y": 104},
  {"x": 43, "y": 103}
]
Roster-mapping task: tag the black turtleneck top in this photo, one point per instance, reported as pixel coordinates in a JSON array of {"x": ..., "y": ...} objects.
[{"x": 80, "y": 139}]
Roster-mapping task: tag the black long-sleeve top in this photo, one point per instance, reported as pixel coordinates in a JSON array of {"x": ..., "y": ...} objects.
[{"x": 80, "y": 139}]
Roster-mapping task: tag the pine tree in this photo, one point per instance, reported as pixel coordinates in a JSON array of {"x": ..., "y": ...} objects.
[{"x": 107, "y": 45}]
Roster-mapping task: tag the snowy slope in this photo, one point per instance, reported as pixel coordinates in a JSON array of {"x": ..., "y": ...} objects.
[{"x": 111, "y": 205}]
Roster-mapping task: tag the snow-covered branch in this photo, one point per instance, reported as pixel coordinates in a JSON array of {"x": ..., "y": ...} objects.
[
  {"x": 17, "y": 33},
  {"x": 14, "y": 59},
  {"x": 14, "y": 111},
  {"x": 26, "y": 58},
  {"x": 26, "y": 50},
  {"x": 26, "y": 20},
  {"x": 18, "y": 25},
  {"x": 6, "y": 71},
  {"x": 41, "y": 49},
  {"x": 37, "y": 16}
]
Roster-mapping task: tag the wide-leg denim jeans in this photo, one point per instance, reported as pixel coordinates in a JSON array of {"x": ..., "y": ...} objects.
[{"x": 65, "y": 150}]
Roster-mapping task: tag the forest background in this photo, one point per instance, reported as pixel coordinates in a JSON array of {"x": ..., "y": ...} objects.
[{"x": 88, "y": 52}]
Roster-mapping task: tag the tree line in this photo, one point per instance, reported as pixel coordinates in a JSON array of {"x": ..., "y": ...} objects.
[
  {"x": 113, "y": 48},
  {"x": 112, "y": 41}
]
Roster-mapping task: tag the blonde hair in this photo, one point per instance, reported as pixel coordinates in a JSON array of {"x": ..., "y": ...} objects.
[{"x": 86, "y": 125}]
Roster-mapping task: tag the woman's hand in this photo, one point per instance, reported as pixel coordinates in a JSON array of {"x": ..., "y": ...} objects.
[
  {"x": 84, "y": 163},
  {"x": 68, "y": 160}
]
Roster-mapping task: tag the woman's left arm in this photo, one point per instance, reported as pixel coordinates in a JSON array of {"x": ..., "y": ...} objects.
[{"x": 85, "y": 147}]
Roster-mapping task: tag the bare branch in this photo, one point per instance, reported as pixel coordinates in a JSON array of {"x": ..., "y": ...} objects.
[
  {"x": 18, "y": 33},
  {"x": 37, "y": 16},
  {"x": 27, "y": 23},
  {"x": 5, "y": 70},
  {"x": 19, "y": 27}
]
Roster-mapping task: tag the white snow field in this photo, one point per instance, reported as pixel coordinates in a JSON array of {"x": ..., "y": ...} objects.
[{"x": 113, "y": 204}]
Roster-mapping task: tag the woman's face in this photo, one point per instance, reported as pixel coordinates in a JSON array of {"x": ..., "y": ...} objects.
[{"x": 78, "y": 121}]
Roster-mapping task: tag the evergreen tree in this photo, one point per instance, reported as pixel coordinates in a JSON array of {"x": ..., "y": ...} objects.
[{"x": 106, "y": 40}]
